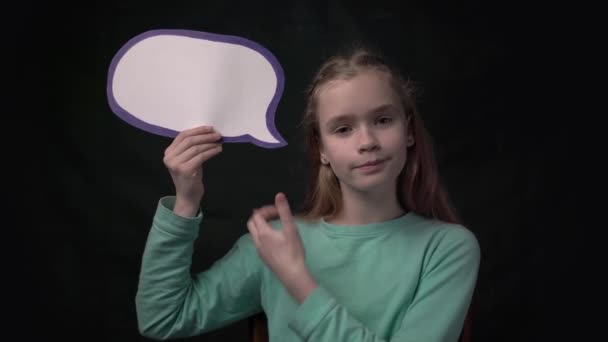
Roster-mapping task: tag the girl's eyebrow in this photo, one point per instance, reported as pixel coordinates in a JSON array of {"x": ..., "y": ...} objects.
[{"x": 347, "y": 116}]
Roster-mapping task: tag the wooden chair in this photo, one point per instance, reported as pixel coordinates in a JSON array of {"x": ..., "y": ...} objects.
[{"x": 258, "y": 328}]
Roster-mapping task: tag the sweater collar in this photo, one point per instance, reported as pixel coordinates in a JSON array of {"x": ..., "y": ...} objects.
[{"x": 369, "y": 229}]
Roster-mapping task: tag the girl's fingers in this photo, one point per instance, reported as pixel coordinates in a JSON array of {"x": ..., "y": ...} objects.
[
  {"x": 284, "y": 211},
  {"x": 194, "y": 140},
  {"x": 185, "y": 134},
  {"x": 195, "y": 151},
  {"x": 268, "y": 212},
  {"x": 254, "y": 232},
  {"x": 202, "y": 157},
  {"x": 260, "y": 223}
]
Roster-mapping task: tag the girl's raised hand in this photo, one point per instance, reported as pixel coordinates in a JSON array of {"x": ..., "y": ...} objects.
[{"x": 185, "y": 158}]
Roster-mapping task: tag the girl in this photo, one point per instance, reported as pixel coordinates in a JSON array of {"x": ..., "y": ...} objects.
[{"x": 377, "y": 254}]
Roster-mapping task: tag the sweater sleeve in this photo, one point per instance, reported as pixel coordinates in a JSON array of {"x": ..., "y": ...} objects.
[
  {"x": 171, "y": 302},
  {"x": 436, "y": 313}
]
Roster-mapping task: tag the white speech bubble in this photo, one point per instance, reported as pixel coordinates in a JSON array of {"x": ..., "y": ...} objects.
[{"x": 167, "y": 81}]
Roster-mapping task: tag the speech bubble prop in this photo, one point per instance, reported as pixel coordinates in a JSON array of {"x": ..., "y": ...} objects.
[{"x": 167, "y": 81}]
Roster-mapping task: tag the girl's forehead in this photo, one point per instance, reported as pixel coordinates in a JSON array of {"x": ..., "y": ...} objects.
[{"x": 356, "y": 95}]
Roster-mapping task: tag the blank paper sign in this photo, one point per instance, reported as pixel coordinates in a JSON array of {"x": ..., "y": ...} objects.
[{"x": 167, "y": 81}]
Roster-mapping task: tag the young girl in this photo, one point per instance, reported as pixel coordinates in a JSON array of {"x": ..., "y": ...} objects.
[{"x": 377, "y": 254}]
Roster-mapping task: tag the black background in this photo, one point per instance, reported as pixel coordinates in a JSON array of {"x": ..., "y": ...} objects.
[{"x": 491, "y": 94}]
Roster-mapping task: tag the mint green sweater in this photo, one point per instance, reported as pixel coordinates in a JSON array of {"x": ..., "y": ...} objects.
[{"x": 407, "y": 279}]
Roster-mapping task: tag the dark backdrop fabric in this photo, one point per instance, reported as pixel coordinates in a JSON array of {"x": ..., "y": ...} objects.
[{"x": 95, "y": 181}]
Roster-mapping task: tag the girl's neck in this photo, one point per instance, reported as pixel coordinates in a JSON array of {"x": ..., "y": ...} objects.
[{"x": 360, "y": 208}]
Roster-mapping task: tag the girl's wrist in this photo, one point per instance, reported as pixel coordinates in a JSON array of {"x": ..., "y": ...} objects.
[
  {"x": 185, "y": 208},
  {"x": 299, "y": 282}
]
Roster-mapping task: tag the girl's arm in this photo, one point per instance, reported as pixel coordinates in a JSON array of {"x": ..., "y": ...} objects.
[{"x": 171, "y": 302}]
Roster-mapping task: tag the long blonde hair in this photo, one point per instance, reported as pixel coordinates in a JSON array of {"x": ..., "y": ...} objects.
[{"x": 418, "y": 187}]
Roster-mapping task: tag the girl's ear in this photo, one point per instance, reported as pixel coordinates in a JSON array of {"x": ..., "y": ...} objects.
[
  {"x": 408, "y": 121},
  {"x": 322, "y": 155},
  {"x": 410, "y": 140},
  {"x": 324, "y": 159},
  {"x": 410, "y": 134}
]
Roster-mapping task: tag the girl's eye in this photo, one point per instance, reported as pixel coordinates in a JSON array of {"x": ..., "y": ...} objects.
[
  {"x": 341, "y": 130},
  {"x": 385, "y": 120}
]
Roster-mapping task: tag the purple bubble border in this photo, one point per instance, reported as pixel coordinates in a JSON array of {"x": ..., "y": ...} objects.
[{"x": 246, "y": 138}]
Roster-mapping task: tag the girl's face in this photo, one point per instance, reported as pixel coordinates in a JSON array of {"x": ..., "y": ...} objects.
[{"x": 361, "y": 121}]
